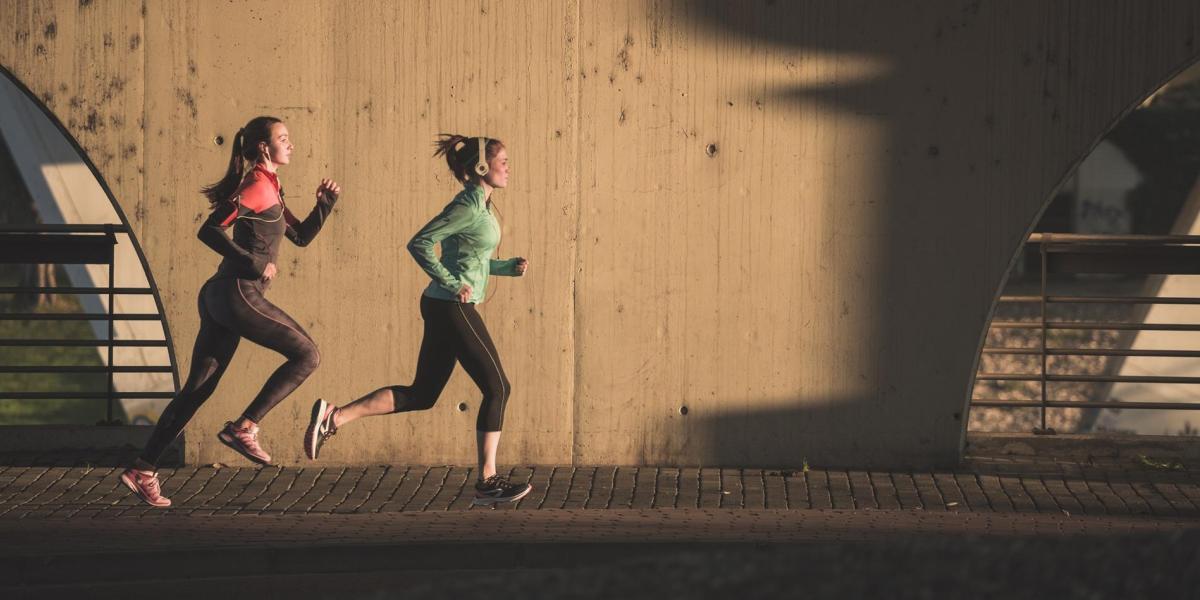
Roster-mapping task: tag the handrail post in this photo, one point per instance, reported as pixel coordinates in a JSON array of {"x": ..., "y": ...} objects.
[
  {"x": 112, "y": 310},
  {"x": 1046, "y": 239}
]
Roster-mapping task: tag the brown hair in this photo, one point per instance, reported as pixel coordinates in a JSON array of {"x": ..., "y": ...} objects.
[
  {"x": 245, "y": 150},
  {"x": 462, "y": 153}
]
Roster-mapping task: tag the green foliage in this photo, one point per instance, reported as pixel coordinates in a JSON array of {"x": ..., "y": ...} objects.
[
  {"x": 41, "y": 412},
  {"x": 1161, "y": 465}
]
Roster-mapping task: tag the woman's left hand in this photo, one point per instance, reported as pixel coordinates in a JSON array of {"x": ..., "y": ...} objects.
[
  {"x": 329, "y": 186},
  {"x": 522, "y": 266}
]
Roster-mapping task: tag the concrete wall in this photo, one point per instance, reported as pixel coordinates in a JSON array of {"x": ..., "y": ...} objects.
[{"x": 791, "y": 218}]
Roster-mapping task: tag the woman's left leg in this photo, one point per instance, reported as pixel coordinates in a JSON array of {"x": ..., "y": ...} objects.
[
  {"x": 267, "y": 325},
  {"x": 479, "y": 359},
  {"x": 260, "y": 321}
]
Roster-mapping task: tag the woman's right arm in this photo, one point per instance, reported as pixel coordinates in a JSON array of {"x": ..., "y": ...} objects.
[
  {"x": 212, "y": 233},
  {"x": 455, "y": 218}
]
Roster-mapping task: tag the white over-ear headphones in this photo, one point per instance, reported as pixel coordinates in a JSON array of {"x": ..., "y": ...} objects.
[{"x": 481, "y": 166}]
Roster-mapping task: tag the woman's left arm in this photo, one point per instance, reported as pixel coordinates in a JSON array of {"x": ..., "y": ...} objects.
[
  {"x": 509, "y": 267},
  {"x": 303, "y": 232}
]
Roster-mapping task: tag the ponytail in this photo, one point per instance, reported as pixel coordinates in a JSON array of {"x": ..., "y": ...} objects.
[
  {"x": 461, "y": 155},
  {"x": 245, "y": 150}
]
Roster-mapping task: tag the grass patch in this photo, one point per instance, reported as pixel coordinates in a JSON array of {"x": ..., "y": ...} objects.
[{"x": 47, "y": 412}]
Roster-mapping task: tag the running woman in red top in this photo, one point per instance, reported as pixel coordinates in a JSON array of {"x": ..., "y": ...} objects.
[{"x": 232, "y": 303}]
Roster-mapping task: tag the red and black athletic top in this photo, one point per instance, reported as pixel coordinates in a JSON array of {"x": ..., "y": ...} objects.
[{"x": 259, "y": 218}]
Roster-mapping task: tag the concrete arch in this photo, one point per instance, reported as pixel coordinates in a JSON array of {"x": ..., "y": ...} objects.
[
  {"x": 1062, "y": 182},
  {"x": 790, "y": 218},
  {"x": 67, "y": 147}
]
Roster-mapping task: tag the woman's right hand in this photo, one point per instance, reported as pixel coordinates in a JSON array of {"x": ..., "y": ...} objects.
[
  {"x": 269, "y": 272},
  {"x": 464, "y": 294}
]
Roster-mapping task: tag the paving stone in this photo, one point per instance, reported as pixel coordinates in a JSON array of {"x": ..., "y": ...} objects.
[
  {"x": 884, "y": 491},
  {"x": 861, "y": 491},
  {"x": 466, "y": 492},
  {"x": 603, "y": 484},
  {"x": 579, "y": 489},
  {"x": 1112, "y": 501},
  {"x": 754, "y": 488},
  {"x": 1014, "y": 492},
  {"x": 1174, "y": 495},
  {"x": 624, "y": 487},
  {"x": 665, "y": 492},
  {"x": 688, "y": 488},
  {"x": 275, "y": 489},
  {"x": 711, "y": 488},
  {"x": 906, "y": 491},
  {"x": 540, "y": 480},
  {"x": 969, "y": 488},
  {"x": 1090, "y": 503},
  {"x": 994, "y": 491},
  {"x": 429, "y": 486},
  {"x": 404, "y": 493},
  {"x": 796, "y": 485},
  {"x": 939, "y": 491},
  {"x": 776, "y": 490}
]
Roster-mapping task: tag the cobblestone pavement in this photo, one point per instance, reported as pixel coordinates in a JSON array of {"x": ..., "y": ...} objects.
[
  {"x": 72, "y": 530},
  {"x": 30, "y": 488}
]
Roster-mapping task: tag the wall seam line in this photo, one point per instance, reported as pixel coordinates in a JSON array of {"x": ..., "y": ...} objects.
[{"x": 576, "y": 66}]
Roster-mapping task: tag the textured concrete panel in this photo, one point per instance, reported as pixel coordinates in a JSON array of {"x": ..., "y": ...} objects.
[{"x": 790, "y": 218}]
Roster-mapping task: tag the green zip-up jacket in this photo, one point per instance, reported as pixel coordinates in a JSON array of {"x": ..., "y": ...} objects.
[{"x": 468, "y": 233}]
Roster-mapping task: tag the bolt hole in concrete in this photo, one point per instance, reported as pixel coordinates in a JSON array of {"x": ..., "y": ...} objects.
[
  {"x": 711, "y": 150},
  {"x": 462, "y": 407},
  {"x": 220, "y": 140},
  {"x": 683, "y": 410}
]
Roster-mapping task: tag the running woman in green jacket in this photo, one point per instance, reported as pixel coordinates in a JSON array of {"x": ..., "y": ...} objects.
[{"x": 454, "y": 332}]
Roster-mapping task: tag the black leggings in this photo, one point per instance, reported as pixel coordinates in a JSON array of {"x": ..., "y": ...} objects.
[
  {"x": 232, "y": 309},
  {"x": 454, "y": 332}
]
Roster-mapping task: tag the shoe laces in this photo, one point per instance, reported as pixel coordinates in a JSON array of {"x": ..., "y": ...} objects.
[
  {"x": 330, "y": 428},
  {"x": 498, "y": 481},
  {"x": 149, "y": 481},
  {"x": 248, "y": 436}
]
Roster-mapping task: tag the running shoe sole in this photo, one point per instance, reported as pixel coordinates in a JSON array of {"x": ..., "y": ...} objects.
[
  {"x": 489, "y": 500},
  {"x": 133, "y": 487},
  {"x": 314, "y": 424},
  {"x": 236, "y": 447}
]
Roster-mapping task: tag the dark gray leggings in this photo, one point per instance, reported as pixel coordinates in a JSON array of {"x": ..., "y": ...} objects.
[
  {"x": 455, "y": 333},
  {"x": 232, "y": 309}
]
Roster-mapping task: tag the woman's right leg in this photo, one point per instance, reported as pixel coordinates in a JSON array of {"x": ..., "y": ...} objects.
[
  {"x": 239, "y": 305},
  {"x": 211, "y": 353},
  {"x": 435, "y": 364}
]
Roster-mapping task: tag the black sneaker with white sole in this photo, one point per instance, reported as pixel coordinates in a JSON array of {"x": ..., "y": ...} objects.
[
  {"x": 320, "y": 428},
  {"x": 496, "y": 489}
]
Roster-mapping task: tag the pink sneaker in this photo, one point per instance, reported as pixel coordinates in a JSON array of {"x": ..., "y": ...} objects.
[
  {"x": 146, "y": 486},
  {"x": 245, "y": 442}
]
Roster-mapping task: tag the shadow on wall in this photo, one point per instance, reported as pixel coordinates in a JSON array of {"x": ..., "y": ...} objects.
[
  {"x": 732, "y": 438},
  {"x": 916, "y": 370},
  {"x": 963, "y": 106}
]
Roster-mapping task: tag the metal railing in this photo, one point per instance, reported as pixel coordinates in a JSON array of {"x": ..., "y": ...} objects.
[
  {"x": 1063, "y": 253},
  {"x": 86, "y": 245}
]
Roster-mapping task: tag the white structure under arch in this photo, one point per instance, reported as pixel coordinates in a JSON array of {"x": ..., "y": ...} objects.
[{"x": 65, "y": 192}]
